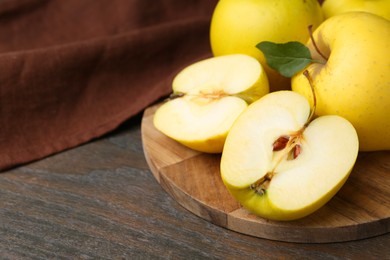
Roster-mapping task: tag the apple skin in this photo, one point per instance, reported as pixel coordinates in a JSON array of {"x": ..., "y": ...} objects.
[
  {"x": 238, "y": 26},
  {"x": 335, "y": 7},
  {"x": 355, "y": 80},
  {"x": 262, "y": 207},
  {"x": 302, "y": 185}
]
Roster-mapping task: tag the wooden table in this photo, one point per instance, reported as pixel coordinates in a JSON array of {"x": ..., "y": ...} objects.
[{"x": 100, "y": 201}]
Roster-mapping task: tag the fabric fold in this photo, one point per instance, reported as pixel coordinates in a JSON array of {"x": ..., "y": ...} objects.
[{"x": 64, "y": 92}]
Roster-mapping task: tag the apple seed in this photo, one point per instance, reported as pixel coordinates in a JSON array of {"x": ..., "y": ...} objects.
[
  {"x": 293, "y": 151},
  {"x": 296, "y": 151},
  {"x": 280, "y": 143}
]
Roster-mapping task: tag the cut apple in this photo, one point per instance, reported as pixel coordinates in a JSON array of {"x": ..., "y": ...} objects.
[
  {"x": 279, "y": 164},
  {"x": 207, "y": 98}
]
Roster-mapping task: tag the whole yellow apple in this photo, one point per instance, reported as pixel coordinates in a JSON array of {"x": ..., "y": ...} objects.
[
  {"x": 238, "y": 26},
  {"x": 378, "y": 7},
  {"x": 354, "y": 79}
]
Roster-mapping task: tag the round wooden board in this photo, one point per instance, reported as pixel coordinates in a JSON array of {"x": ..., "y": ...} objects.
[{"x": 361, "y": 209}]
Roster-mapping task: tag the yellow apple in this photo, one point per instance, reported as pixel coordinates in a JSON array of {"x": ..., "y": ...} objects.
[
  {"x": 378, "y": 7},
  {"x": 238, "y": 26},
  {"x": 354, "y": 79},
  {"x": 279, "y": 164},
  {"x": 209, "y": 96}
]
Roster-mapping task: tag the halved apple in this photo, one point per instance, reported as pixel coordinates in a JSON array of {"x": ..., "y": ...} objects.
[
  {"x": 279, "y": 164},
  {"x": 207, "y": 98}
]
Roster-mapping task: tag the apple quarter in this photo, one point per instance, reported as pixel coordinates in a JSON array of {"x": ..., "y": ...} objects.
[{"x": 210, "y": 95}]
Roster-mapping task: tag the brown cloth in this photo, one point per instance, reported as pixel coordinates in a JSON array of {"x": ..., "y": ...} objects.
[{"x": 73, "y": 70}]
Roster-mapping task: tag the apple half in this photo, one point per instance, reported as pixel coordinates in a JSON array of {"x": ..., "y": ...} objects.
[
  {"x": 207, "y": 98},
  {"x": 281, "y": 165}
]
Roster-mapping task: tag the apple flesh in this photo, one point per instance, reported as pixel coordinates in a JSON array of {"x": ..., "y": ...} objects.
[
  {"x": 210, "y": 95},
  {"x": 279, "y": 166}
]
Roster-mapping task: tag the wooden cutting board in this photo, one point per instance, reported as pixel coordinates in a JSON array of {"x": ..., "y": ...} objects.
[{"x": 361, "y": 209}]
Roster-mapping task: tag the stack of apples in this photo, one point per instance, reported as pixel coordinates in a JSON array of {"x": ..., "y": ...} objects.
[{"x": 287, "y": 143}]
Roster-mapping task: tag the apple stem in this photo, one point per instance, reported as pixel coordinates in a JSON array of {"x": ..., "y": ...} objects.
[
  {"x": 175, "y": 95},
  {"x": 261, "y": 185},
  {"x": 309, "y": 78},
  {"x": 315, "y": 44}
]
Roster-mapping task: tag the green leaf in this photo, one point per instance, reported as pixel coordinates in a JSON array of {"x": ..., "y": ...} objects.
[{"x": 287, "y": 58}]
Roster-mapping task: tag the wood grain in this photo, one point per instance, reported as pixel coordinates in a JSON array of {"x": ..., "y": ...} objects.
[
  {"x": 100, "y": 201},
  {"x": 361, "y": 209}
]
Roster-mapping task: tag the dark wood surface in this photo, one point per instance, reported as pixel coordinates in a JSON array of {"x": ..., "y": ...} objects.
[
  {"x": 101, "y": 201},
  {"x": 361, "y": 209}
]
